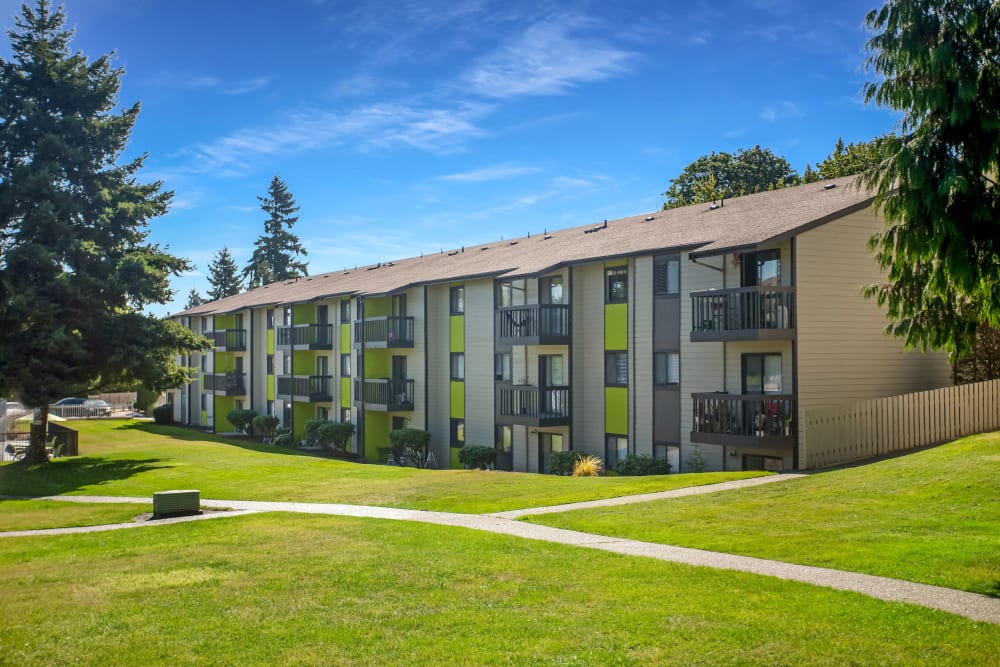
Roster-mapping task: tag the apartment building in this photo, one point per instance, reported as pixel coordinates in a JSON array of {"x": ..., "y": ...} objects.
[{"x": 701, "y": 335}]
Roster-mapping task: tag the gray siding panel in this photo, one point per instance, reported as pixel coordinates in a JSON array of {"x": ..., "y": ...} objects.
[
  {"x": 479, "y": 379},
  {"x": 588, "y": 359}
]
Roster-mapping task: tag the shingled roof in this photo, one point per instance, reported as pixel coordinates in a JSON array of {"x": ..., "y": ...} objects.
[{"x": 704, "y": 229}]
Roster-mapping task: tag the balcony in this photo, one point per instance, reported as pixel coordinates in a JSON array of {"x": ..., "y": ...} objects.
[
  {"x": 307, "y": 388},
  {"x": 390, "y": 331},
  {"x": 537, "y": 324},
  {"x": 385, "y": 395},
  {"x": 532, "y": 406},
  {"x": 230, "y": 340},
  {"x": 226, "y": 384},
  {"x": 754, "y": 421},
  {"x": 305, "y": 337},
  {"x": 744, "y": 313}
]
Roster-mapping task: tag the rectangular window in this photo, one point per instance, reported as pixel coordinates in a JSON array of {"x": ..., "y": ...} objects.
[
  {"x": 551, "y": 290},
  {"x": 270, "y": 318},
  {"x": 345, "y": 311},
  {"x": 616, "y": 369},
  {"x": 204, "y": 362},
  {"x": 760, "y": 268},
  {"x": 345, "y": 415},
  {"x": 286, "y": 316},
  {"x": 270, "y": 364},
  {"x": 322, "y": 413},
  {"x": 615, "y": 449},
  {"x": 666, "y": 368},
  {"x": 502, "y": 366},
  {"x": 457, "y": 300},
  {"x": 667, "y": 277},
  {"x": 457, "y": 365},
  {"x": 664, "y": 451},
  {"x": 505, "y": 439},
  {"x": 616, "y": 279},
  {"x": 548, "y": 443},
  {"x": 761, "y": 373},
  {"x": 511, "y": 293},
  {"x": 286, "y": 363},
  {"x": 204, "y": 402},
  {"x": 457, "y": 432},
  {"x": 345, "y": 365},
  {"x": 204, "y": 324},
  {"x": 769, "y": 463}
]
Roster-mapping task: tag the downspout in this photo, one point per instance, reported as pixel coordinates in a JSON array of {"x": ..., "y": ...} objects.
[
  {"x": 569, "y": 354},
  {"x": 633, "y": 444},
  {"x": 361, "y": 377},
  {"x": 427, "y": 422},
  {"x": 253, "y": 346}
]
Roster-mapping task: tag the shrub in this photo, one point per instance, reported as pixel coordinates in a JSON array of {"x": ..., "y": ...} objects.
[
  {"x": 242, "y": 420},
  {"x": 412, "y": 443},
  {"x": 283, "y": 438},
  {"x": 266, "y": 424},
  {"x": 588, "y": 466},
  {"x": 695, "y": 460},
  {"x": 145, "y": 399},
  {"x": 164, "y": 414},
  {"x": 641, "y": 464},
  {"x": 328, "y": 434},
  {"x": 561, "y": 463},
  {"x": 476, "y": 457}
]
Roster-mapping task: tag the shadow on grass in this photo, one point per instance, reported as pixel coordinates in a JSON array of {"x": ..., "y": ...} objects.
[{"x": 69, "y": 475}]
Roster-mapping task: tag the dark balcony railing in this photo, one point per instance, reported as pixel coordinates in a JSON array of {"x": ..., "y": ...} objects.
[
  {"x": 752, "y": 420},
  {"x": 315, "y": 336},
  {"x": 390, "y": 331},
  {"x": 230, "y": 383},
  {"x": 385, "y": 394},
  {"x": 743, "y": 313},
  {"x": 230, "y": 340},
  {"x": 533, "y": 406},
  {"x": 316, "y": 388},
  {"x": 535, "y": 324}
]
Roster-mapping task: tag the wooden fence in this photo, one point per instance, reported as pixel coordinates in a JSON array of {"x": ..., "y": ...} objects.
[{"x": 880, "y": 426}]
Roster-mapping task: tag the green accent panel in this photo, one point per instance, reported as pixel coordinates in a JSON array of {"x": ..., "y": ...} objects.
[
  {"x": 457, "y": 400},
  {"x": 304, "y": 362},
  {"x": 456, "y": 333},
  {"x": 204, "y": 417},
  {"x": 270, "y": 387},
  {"x": 455, "y": 463},
  {"x": 345, "y": 339},
  {"x": 304, "y": 313},
  {"x": 345, "y": 392},
  {"x": 378, "y": 363},
  {"x": 616, "y": 410},
  {"x": 301, "y": 413},
  {"x": 225, "y": 361},
  {"x": 378, "y": 306},
  {"x": 270, "y": 341},
  {"x": 224, "y": 322},
  {"x": 376, "y": 433},
  {"x": 616, "y": 327},
  {"x": 616, "y": 262},
  {"x": 223, "y": 405}
]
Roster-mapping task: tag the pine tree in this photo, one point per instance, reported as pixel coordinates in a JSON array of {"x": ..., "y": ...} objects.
[
  {"x": 76, "y": 266},
  {"x": 194, "y": 299},
  {"x": 223, "y": 275},
  {"x": 275, "y": 253}
]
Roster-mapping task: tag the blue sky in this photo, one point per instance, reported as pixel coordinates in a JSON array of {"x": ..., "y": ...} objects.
[{"x": 409, "y": 126}]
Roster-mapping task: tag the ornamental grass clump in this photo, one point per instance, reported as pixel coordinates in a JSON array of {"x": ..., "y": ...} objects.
[{"x": 588, "y": 466}]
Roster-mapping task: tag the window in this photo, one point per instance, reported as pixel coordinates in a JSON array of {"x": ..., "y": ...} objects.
[
  {"x": 457, "y": 300},
  {"x": 761, "y": 373},
  {"x": 270, "y": 318},
  {"x": 286, "y": 363},
  {"x": 322, "y": 413},
  {"x": 204, "y": 402},
  {"x": 769, "y": 463},
  {"x": 548, "y": 443},
  {"x": 760, "y": 268},
  {"x": 238, "y": 404},
  {"x": 615, "y": 449},
  {"x": 664, "y": 451},
  {"x": 505, "y": 439},
  {"x": 617, "y": 285},
  {"x": 270, "y": 364},
  {"x": 502, "y": 366},
  {"x": 286, "y": 316},
  {"x": 204, "y": 324},
  {"x": 616, "y": 369},
  {"x": 204, "y": 362},
  {"x": 551, "y": 290},
  {"x": 511, "y": 293},
  {"x": 345, "y": 415},
  {"x": 666, "y": 277},
  {"x": 345, "y": 311},
  {"x": 457, "y": 432},
  {"x": 270, "y": 408},
  {"x": 666, "y": 368},
  {"x": 345, "y": 365},
  {"x": 457, "y": 365}
]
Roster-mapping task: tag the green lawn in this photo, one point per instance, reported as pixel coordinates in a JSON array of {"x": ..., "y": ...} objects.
[
  {"x": 37, "y": 514},
  {"x": 135, "y": 459},
  {"x": 932, "y": 516},
  {"x": 303, "y": 590}
]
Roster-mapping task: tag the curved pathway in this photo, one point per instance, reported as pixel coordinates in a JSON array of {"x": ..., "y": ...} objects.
[{"x": 970, "y": 605}]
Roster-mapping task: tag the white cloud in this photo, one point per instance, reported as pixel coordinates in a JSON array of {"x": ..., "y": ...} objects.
[
  {"x": 495, "y": 173},
  {"x": 785, "y": 109},
  {"x": 546, "y": 59},
  {"x": 247, "y": 86}
]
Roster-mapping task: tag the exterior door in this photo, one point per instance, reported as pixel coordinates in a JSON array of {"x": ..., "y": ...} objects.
[{"x": 551, "y": 381}]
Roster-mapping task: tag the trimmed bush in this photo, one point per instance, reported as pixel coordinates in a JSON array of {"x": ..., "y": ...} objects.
[
  {"x": 476, "y": 457},
  {"x": 266, "y": 425},
  {"x": 411, "y": 443},
  {"x": 588, "y": 466},
  {"x": 641, "y": 464},
  {"x": 283, "y": 438},
  {"x": 561, "y": 463},
  {"x": 328, "y": 434},
  {"x": 164, "y": 414},
  {"x": 242, "y": 420}
]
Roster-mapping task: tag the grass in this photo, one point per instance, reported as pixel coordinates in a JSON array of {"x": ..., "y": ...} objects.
[
  {"x": 932, "y": 516},
  {"x": 305, "y": 590},
  {"x": 136, "y": 458},
  {"x": 38, "y": 514}
]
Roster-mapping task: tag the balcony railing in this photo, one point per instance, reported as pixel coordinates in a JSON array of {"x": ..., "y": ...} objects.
[
  {"x": 385, "y": 394},
  {"x": 744, "y": 420},
  {"x": 537, "y": 324},
  {"x": 393, "y": 331},
  {"x": 314, "y": 388},
  {"x": 532, "y": 406},
  {"x": 230, "y": 340},
  {"x": 311, "y": 336},
  {"x": 228, "y": 384},
  {"x": 744, "y": 313}
]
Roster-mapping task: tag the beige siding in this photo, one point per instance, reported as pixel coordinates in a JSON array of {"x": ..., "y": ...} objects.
[
  {"x": 641, "y": 348},
  {"x": 588, "y": 359},
  {"x": 479, "y": 377},
  {"x": 438, "y": 371},
  {"x": 843, "y": 355},
  {"x": 734, "y": 362},
  {"x": 257, "y": 358},
  {"x": 415, "y": 359}
]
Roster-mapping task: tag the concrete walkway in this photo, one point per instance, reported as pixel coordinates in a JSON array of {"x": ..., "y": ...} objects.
[{"x": 970, "y": 605}]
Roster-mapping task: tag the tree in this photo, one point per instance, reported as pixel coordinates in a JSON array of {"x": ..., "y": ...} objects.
[
  {"x": 76, "y": 266},
  {"x": 852, "y": 159},
  {"x": 194, "y": 299},
  {"x": 719, "y": 175},
  {"x": 223, "y": 275},
  {"x": 937, "y": 62},
  {"x": 274, "y": 255}
]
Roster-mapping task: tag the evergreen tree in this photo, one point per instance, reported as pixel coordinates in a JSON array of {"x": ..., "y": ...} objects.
[
  {"x": 275, "y": 253},
  {"x": 223, "y": 275},
  {"x": 719, "y": 175},
  {"x": 194, "y": 299},
  {"x": 853, "y": 158},
  {"x": 76, "y": 266}
]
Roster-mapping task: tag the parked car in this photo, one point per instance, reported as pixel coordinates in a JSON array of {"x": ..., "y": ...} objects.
[
  {"x": 15, "y": 409},
  {"x": 95, "y": 407},
  {"x": 68, "y": 407}
]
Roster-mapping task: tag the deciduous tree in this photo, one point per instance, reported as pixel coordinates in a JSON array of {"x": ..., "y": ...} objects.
[{"x": 719, "y": 175}]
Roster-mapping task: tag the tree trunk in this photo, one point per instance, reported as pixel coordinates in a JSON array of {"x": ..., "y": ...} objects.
[{"x": 37, "y": 452}]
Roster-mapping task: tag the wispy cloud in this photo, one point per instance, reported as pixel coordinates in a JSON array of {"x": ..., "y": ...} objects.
[
  {"x": 244, "y": 87},
  {"x": 498, "y": 172},
  {"x": 207, "y": 82},
  {"x": 548, "y": 58},
  {"x": 785, "y": 109}
]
